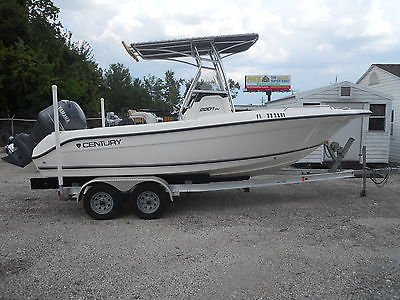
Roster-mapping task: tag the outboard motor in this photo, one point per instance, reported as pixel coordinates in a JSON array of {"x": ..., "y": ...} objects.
[{"x": 20, "y": 147}]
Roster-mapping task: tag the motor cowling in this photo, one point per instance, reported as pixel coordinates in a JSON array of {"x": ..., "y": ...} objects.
[{"x": 20, "y": 147}]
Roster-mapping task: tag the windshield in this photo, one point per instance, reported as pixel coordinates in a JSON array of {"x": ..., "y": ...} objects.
[{"x": 208, "y": 81}]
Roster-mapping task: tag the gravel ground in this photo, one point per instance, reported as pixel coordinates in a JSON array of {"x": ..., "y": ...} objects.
[{"x": 314, "y": 240}]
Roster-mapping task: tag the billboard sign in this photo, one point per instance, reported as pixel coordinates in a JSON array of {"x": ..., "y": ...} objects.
[{"x": 262, "y": 83}]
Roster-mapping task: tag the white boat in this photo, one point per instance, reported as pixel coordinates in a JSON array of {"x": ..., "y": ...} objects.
[
  {"x": 209, "y": 139},
  {"x": 245, "y": 143}
]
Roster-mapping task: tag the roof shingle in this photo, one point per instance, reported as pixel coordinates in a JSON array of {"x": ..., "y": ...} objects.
[{"x": 392, "y": 68}]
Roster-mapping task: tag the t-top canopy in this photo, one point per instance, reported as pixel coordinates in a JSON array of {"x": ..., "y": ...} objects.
[{"x": 224, "y": 44}]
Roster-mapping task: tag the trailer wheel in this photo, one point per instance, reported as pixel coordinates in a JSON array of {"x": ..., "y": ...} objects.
[
  {"x": 102, "y": 202},
  {"x": 149, "y": 200}
]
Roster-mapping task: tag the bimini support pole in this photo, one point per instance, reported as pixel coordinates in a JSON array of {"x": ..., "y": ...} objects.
[
  {"x": 219, "y": 69},
  {"x": 57, "y": 141}
]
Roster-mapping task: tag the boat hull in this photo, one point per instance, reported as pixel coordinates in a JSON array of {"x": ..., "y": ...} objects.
[{"x": 248, "y": 144}]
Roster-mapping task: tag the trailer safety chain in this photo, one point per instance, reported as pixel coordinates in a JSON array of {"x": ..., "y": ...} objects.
[{"x": 375, "y": 176}]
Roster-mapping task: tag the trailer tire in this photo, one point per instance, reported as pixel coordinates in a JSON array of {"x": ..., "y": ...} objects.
[
  {"x": 149, "y": 200},
  {"x": 102, "y": 202}
]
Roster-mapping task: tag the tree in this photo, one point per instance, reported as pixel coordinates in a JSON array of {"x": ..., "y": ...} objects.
[
  {"x": 36, "y": 52},
  {"x": 234, "y": 87},
  {"x": 143, "y": 99},
  {"x": 43, "y": 9},
  {"x": 154, "y": 86},
  {"x": 118, "y": 88},
  {"x": 14, "y": 24},
  {"x": 80, "y": 81},
  {"x": 21, "y": 69},
  {"x": 172, "y": 89},
  {"x": 122, "y": 92}
]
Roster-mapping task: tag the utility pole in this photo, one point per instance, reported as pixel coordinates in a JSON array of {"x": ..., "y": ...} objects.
[{"x": 269, "y": 93}]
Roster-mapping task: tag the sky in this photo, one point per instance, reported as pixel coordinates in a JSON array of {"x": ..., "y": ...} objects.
[{"x": 315, "y": 41}]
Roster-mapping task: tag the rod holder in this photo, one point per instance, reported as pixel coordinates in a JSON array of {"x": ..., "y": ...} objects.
[
  {"x": 103, "y": 114},
  {"x": 57, "y": 138}
]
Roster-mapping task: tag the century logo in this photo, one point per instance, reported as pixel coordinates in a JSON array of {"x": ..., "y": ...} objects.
[{"x": 104, "y": 143}]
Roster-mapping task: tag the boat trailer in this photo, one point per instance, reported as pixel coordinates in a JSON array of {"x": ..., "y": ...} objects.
[{"x": 151, "y": 195}]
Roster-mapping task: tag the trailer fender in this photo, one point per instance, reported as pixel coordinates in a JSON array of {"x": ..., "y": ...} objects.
[{"x": 125, "y": 184}]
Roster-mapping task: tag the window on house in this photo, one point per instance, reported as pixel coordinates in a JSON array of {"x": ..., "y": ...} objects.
[
  {"x": 377, "y": 118},
  {"x": 345, "y": 91}
]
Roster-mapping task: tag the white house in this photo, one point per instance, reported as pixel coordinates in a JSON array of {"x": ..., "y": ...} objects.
[
  {"x": 386, "y": 79},
  {"x": 373, "y": 131}
]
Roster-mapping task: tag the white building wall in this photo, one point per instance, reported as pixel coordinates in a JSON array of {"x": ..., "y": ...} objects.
[
  {"x": 375, "y": 148},
  {"x": 317, "y": 156},
  {"x": 377, "y": 142},
  {"x": 390, "y": 85},
  {"x": 282, "y": 103}
]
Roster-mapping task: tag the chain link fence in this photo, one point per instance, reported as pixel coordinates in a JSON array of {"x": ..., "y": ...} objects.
[{"x": 13, "y": 126}]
